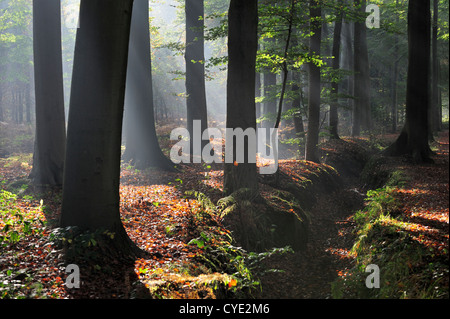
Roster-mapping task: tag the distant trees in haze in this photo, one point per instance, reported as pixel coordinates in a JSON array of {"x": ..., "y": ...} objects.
[{"x": 342, "y": 79}]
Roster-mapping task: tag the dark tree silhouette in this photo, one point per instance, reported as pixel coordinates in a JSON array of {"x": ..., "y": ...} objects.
[
  {"x": 142, "y": 146},
  {"x": 195, "y": 67},
  {"x": 312, "y": 136},
  {"x": 49, "y": 147},
  {"x": 242, "y": 47},
  {"x": 334, "y": 116},
  {"x": 413, "y": 139},
  {"x": 92, "y": 171},
  {"x": 361, "y": 90}
]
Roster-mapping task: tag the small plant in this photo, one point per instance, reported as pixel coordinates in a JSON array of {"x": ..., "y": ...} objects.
[{"x": 16, "y": 224}]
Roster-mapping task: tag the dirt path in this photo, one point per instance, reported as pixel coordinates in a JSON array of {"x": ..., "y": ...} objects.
[{"x": 308, "y": 274}]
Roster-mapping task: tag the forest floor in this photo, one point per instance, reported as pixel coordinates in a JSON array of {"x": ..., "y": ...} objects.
[
  {"x": 421, "y": 204},
  {"x": 190, "y": 254}
]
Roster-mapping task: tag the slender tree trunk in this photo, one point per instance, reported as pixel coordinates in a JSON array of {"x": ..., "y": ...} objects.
[
  {"x": 142, "y": 146},
  {"x": 1, "y": 102},
  {"x": 361, "y": 114},
  {"x": 312, "y": 136},
  {"x": 297, "y": 103},
  {"x": 269, "y": 87},
  {"x": 92, "y": 172},
  {"x": 48, "y": 158},
  {"x": 434, "y": 107},
  {"x": 413, "y": 139},
  {"x": 394, "y": 79},
  {"x": 28, "y": 102},
  {"x": 297, "y": 92},
  {"x": 242, "y": 47},
  {"x": 195, "y": 67},
  {"x": 270, "y": 106},
  {"x": 334, "y": 116},
  {"x": 347, "y": 64}
]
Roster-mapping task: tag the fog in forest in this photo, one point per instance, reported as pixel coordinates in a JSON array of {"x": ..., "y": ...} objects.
[{"x": 224, "y": 149}]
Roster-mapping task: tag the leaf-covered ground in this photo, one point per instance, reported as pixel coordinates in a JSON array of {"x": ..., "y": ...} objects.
[
  {"x": 172, "y": 227},
  {"x": 419, "y": 214}
]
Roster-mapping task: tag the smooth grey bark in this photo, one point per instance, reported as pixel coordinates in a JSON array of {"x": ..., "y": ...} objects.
[
  {"x": 195, "y": 67},
  {"x": 92, "y": 171},
  {"x": 361, "y": 109},
  {"x": 336, "y": 50},
  {"x": 434, "y": 116},
  {"x": 242, "y": 48},
  {"x": 413, "y": 139},
  {"x": 312, "y": 136},
  {"x": 142, "y": 146},
  {"x": 49, "y": 147}
]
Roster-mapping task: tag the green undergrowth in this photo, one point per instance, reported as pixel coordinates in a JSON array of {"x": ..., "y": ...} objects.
[
  {"x": 17, "y": 226},
  {"x": 408, "y": 269},
  {"x": 16, "y": 223},
  {"x": 220, "y": 254}
]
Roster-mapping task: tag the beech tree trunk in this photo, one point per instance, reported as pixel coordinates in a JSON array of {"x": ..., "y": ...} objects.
[
  {"x": 434, "y": 116},
  {"x": 49, "y": 147},
  {"x": 334, "y": 116},
  {"x": 142, "y": 146},
  {"x": 242, "y": 48},
  {"x": 312, "y": 136},
  {"x": 195, "y": 67},
  {"x": 92, "y": 171},
  {"x": 413, "y": 139},
  {"x": 361, "y": 109}
]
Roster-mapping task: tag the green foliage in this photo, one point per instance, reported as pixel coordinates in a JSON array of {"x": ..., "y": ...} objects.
[
  {"x": 16, "y": 40},
  {"x": 15, "y": 223},
  {"x": 219, "y": 254},
  {"x": 406, "y": 266}
]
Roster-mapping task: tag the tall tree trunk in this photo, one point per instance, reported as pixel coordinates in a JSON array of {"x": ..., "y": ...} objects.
[
  {"x": 92, "y": 171},
  {"x": 434, "y": 119},
  {"x": 334, "y": 116},
  {"x": 28, "y": 102},
  {"x": 49, "y": 149},
  {"x": 394, "y": 79},
  {"x": 312, "y": 136},
  {"x": 195, "y": 69},
  {"x": 347, "y": 64},
  {"x": 270, "y": 105},
  {"x": 142, "y": 146},
  {"x": 413, "y": 139},
  {"x": 242, "y": 47},
  {"x": 361, "y": 114}
]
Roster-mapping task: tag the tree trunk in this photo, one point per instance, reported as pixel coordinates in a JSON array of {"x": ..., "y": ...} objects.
[
  {"x": 269, "y": 88},
  {"x": 195, "y": 69},
  {"x": 270, "y": 105},
  {"x": 312, "y": 136},
  {"x": 334, "y": 116},
  {"x": 242, "y": 47},
  {"x": 434, "y": 107},
  {"x": 413, "y": 139},
  {"x": 142, "y": 146},
  {"x": 394, "y": 79},
  {"x": 92, "y": 171},
  {"x": 361, "y": 114},
  {"x": 347, "y": 64},
  {"x": 48, "y": 158}
]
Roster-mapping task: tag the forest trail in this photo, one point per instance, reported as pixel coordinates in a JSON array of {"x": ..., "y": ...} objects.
[
  {"x": 309, "y": 274},
  {"x": 158, "y": 216}
]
